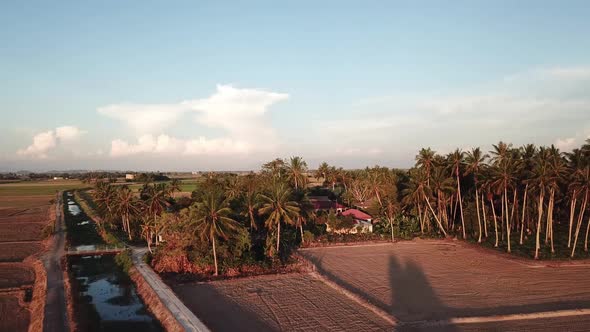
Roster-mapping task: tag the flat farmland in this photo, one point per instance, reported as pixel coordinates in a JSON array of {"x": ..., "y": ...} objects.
[
  {"x": 18, "y": 251},
  {"x": 290, "y": 302},
  {"x": 16, "y": 275},
  {"x": 38, "y": 188},
  {"x": 446, "y": 281},
  {"x": 26, "y": 208},
  {"x": 15, "y": 318},
  {"x": 21, "y": 231}
]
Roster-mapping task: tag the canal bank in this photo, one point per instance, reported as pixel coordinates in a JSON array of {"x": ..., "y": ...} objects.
[{"x": 103, "y": 296}]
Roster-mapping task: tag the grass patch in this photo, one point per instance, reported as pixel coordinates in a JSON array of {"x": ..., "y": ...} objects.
[{"x": 38, "y": 188}]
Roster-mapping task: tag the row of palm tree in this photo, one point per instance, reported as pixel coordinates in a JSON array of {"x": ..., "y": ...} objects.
[{"x": 517, "y": 189}]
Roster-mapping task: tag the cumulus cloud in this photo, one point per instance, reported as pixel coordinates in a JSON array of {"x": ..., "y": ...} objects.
[
  {"x": 167, "y": 145},
  {"x": 145, "y": 118},
  {"x": 239, "y": 113},
  {"x": 46, "y": 141},
  {"x": 565, "y": 144}
]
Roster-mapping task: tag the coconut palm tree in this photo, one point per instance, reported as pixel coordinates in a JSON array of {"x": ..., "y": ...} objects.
[
  {"x": 212, "y": 221},
  {"x": 279, "y": 208},
  {"x": 475, "y": 161},
  {"x": 126, "y": 207},
  {"x": 456, "y": 160},
  {"x": 425, "y": 160},
  {"x": 296, "y": 169},
  {"x": 541, "y": 180},
  {"x": 322, "y": 171}
]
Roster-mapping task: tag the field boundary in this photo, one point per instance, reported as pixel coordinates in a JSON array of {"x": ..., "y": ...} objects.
[
  {"x": 499, "y": 318},
  {"x": 183, "y": 315},
  {"x": 356, "y": 298}
]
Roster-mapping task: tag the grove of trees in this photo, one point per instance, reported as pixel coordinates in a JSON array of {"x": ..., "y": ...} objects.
[{"x": 529, "y": 199}]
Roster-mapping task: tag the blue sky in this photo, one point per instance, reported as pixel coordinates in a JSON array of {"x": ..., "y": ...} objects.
[{"x": 195, "y": 86}]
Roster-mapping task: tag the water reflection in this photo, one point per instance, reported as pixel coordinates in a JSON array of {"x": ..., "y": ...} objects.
[{"x": 106, "y": 297}]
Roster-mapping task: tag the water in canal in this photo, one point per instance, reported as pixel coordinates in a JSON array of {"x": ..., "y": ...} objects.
[{"x": 105, "y": 298}]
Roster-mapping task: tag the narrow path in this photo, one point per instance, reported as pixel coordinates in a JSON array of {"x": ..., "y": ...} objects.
[
  {"x": 185, "y": 317},
  {"x": 56, "y": 319}
]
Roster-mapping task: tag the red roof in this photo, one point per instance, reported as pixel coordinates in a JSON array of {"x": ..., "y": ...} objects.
[{"x": 356, "y": 214}]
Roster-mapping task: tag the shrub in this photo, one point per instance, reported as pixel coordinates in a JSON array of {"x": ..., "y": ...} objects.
[{"x": 124, "y": 260}]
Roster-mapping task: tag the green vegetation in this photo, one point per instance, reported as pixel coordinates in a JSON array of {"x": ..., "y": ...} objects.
[
  {"x": 38, "y": 188},
  {"x": 519, "y": 200}
]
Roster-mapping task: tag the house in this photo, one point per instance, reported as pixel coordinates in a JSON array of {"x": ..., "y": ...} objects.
[
  {"x": 361, "y": 219},
  {"x": 324, "y": 203},
  {"x": 130, "y": 176}
]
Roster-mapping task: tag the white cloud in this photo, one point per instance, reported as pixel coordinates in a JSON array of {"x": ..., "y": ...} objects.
[
  {"x": 46, "y": 141},
  {"x": 240, "y": 113},
  {"x": 66, "y": 133},
  {"x": 164, "y": 144},
  {"x": 577, "y": 73},
  {"x": 145, "y": 118},
  {"x": 565, "y": 144}
]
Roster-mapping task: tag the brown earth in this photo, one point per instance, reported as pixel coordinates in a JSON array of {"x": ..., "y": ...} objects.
[
  {"x": 18, "y": 251},
  {"x": 21, "y": 231},
  {"x": 289, "y": 302},
  {"x": 16, "y": 274},
  {"x": 22, "y": 221},
  {"x": 14, "y": 316},
  {"x": 424, "y": 280}
]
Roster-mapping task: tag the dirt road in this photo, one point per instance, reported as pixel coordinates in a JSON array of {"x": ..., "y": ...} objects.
[{"x": 55, "y": 306}]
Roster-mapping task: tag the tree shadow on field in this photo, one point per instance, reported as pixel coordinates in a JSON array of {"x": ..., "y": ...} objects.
[{"x": 414, "y": 301}]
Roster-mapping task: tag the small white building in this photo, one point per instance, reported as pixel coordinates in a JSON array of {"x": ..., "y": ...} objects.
[{"x": 129, "y": 176}]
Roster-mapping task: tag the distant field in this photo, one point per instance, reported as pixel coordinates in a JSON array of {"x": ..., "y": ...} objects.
[
  {"x": 38, "y": 188},
  {"x": 186, "y": 186}
]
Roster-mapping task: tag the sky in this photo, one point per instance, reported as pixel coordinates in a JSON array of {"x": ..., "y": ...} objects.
[{"x": 220, "y": 85}]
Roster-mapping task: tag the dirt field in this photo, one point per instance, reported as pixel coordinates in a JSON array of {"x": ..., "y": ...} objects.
[
  {"x": 441, "y": 280},
  {"x": 25, "y": 210},
  {"x": 21, "y": 231},
  {"x": 15, "y": 275},
  {"x": 14, "y": 316},
  {"x": 291, "y": 302},
  {"x": 18, "y": 251}
]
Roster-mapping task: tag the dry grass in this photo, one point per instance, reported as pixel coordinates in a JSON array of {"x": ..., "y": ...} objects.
[{"x": 37, "y": 306}]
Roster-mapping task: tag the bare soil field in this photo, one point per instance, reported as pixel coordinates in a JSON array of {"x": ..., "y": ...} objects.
[
  {"x": 429, "y": 280},
  {"x": 21, "y": 231},
  {"x": 15, "y": 317},
  {"x": 18, "y": 251},
  {"x": 15, "y": 275},
  {"x": 288, "y": 302},
  {"x": 25, "y": 210}
]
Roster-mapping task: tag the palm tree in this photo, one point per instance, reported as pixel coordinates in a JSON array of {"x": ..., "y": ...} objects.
[
  {"x": 475, "y": 162},
  {"x": 175, "y": 185},
  {"x": 528, "y": 153},
  {"x": 278, "y": 207},
  {"x": 156, "y": 202},
  {"x": 296, "y": 169},
  {"x": 322, "y": 171},
  {"x": 212, "y": 221},
  {"x": 502, "y": 178},
  {"x": 541, "y": 180},
  {"x": 456, "y": 160},
  {"x": 126, "y": 206},
  {"x": 425, "y": 160},
  {"x": 581, "y": 185}
]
